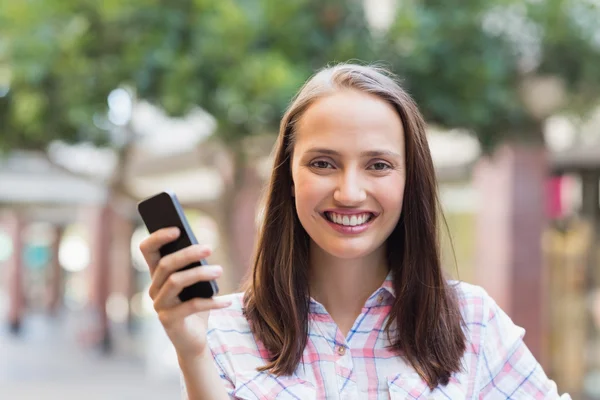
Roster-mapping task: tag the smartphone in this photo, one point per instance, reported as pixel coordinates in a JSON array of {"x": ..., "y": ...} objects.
[{"x": 163, "y": 211}]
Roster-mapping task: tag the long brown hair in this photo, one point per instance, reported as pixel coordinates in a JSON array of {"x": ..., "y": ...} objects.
[{"x": 425, "y": 313}]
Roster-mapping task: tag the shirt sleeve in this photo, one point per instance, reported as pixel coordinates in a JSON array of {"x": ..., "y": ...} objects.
[
  {"x": 508, "y": 370},
  {"x": 226, "y": 328}
]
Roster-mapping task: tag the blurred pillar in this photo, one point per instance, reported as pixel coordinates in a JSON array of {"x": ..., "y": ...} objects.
[
  {"x": 590, "y": 207},
  {"x": 99, "y": 221},
  {"x": 222, "y": 254},
  {"x": 15, "y": 272},
  {"x": 565, "y": 247},
  {"x": 55, "y": 288},
  {"x": 242, "y": 220},
  {"x": 509, "y": 264},
  {"x": 122, "y": 272}
]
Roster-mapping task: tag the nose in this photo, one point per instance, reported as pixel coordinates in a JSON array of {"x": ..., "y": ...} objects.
[{"x": 350, "y": 190}]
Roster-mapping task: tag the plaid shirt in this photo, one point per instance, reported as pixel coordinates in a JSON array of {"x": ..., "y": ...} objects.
[{"x": 496, "y": 364}]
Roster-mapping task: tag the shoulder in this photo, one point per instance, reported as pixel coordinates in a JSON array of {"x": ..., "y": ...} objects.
[
  {"x": 231, "y": 341},
  {"x": 473, "y": 300},
  {"x": 230, "y": 322},
  {"x": 229, "y": 331},
  {"x": 484, "y": 320}
]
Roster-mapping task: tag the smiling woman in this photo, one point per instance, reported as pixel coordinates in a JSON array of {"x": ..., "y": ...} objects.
[
  {"x": 355, "y": 145},
  {"x": 347, "y": 298}
]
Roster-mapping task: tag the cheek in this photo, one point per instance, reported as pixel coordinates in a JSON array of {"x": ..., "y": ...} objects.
[
  {"x": 392, "y": 199},
  {"x": 309, "y": 191},
  {"x": 306, "y": 193}
]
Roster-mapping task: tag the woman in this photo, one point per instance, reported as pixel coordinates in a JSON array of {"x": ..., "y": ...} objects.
[{"x": 347, "y": 298}]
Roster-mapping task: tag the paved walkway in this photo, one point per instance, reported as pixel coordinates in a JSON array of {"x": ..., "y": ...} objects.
[{"x": 47, "y": 363}]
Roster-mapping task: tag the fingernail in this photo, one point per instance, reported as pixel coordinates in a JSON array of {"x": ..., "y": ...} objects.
[
  {"x": 202, "y": 249},
  {"x": 174, "y": 232},
  {"x": 214, "y": 270}
]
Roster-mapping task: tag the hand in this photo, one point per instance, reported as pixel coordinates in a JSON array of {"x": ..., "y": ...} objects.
[{"x": 185, "y": 323}]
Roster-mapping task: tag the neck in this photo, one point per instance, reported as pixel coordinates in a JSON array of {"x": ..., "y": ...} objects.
[{"x": 343, "y": 286}]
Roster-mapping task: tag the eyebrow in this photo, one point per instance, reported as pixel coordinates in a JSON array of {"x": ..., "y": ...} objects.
[{"x": 368, "y": 153}]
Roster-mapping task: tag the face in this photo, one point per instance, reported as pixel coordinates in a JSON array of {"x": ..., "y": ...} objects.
[{"x": 348, "y": 171}]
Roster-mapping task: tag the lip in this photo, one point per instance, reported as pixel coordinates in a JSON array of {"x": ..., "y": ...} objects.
[
  {"x": 346, "y": 211},
  {"x": 349, "y": 230}
]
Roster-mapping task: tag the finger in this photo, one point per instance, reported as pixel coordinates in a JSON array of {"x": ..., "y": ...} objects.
[
  {"x": 151, "y": 245},
  {"x": 167, "y": 295},
  {"x": 174, "y": 262},
  {"x": 169, "y": 316}
]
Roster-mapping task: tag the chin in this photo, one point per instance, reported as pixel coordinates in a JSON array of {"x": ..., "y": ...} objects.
[{"x": 347, "y": 250}]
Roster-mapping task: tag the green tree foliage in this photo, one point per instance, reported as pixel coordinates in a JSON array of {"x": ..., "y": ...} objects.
[
  {"x": 465, "y": 61},
  {"x": 240, "y": 60}
]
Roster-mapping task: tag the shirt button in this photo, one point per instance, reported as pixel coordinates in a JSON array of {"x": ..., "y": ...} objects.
[
  {"x": 380, "y": 299},
  {"x": 341, "y": 350}
]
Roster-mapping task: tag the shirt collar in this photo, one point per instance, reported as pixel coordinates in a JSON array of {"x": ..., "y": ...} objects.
[
  {"x": 383, "y": 296},
  {"x": 388, "y": 284}
]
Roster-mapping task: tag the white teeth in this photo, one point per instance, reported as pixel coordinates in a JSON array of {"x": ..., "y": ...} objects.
[{"x": 353, "y": 220}]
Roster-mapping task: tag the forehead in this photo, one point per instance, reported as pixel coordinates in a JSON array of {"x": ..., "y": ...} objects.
[{"x": 350, "y": 119}]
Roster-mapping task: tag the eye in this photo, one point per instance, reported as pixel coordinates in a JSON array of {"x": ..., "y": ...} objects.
[
  {"x": 320, "y": 164},
  {"x": 380, "y": 166}
]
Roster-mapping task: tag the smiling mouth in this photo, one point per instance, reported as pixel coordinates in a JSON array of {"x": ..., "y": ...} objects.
[{"x": 349, "y": 220}]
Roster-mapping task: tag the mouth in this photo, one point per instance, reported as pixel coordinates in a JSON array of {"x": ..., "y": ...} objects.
[{"x": 349, "y": 220}]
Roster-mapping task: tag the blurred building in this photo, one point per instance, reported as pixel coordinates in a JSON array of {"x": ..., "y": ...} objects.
[{"x": 81, "y": 239}]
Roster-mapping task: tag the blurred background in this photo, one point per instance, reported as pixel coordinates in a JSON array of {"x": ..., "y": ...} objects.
[{"x": 103, "y": 103}]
